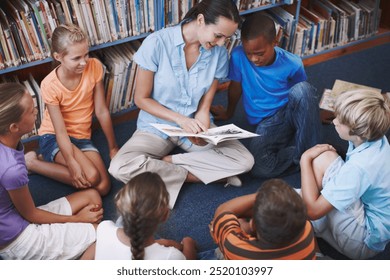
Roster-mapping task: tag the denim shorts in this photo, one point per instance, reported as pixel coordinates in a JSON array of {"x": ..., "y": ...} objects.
[{"x": 49, "y": 147}]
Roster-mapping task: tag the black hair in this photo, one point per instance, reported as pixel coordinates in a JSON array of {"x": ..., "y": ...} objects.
[
  {"x": 279, "y": 214},
  {"x": 213, "y": 9},
  {"x": 256, "y": 25}
]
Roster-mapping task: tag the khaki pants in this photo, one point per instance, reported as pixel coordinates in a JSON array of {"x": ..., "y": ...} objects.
[{"x": 144, "y": 150}]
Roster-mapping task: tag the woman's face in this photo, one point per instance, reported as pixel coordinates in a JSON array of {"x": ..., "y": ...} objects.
[{"x": 211, "y": 35}]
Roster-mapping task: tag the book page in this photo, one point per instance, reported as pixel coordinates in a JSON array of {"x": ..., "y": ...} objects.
[
  {"x": 213, "y": 135},
  {"x": 341, "y": 86}
]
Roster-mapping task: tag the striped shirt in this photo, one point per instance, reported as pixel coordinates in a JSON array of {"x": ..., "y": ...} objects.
[{"x": 235, "y": 244}]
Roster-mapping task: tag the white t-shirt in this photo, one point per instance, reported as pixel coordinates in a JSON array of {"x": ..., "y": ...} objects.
[{"x": 109, "y": 247}]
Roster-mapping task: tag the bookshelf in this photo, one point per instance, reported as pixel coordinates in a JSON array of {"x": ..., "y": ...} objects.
[
  {"x": 122, "y": 30},
  {"x": 382, "y": 36}
]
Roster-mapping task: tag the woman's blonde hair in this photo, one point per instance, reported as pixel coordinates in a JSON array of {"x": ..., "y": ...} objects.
[
  {"x": 66, "y": 34},
  {"x": 365, "y": 112},
  {"x": 143, "y": 205}
]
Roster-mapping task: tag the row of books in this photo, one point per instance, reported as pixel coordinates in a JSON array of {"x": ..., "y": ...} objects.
[
  {"x": 119, "y": 80},
  {"x": 322, "y": 25},
  {"x": 175, "y": 10},
  {"x": 120, "y": 74},
  {"x": 33, "y": 88},
  {"x": 244, "y": 5},
  {"x": 325, "y": 24},
  {"x": 26, "y": 26}
]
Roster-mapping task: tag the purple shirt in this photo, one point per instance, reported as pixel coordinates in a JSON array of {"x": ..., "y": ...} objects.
[{"x": 13, "y": 175}]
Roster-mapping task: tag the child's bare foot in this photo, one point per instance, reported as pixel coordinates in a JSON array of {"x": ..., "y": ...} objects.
[{"x": 30, "y": 158}]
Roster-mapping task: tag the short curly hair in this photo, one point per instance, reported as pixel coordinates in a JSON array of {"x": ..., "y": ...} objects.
[{"x": 279, "y": 214}]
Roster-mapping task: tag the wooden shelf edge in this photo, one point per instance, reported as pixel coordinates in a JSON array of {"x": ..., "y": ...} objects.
[{"x": 347, "y": 49}]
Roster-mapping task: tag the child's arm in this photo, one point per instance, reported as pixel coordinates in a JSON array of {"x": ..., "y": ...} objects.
[
  {"x": 66, "y": 147},
  {"x": 104, "y": 118},
  {"x": 234, "y": 94},
  {"x": 317, "y": 206},
  {"x": 241, "y": 206},
  {"x": 24, "y": 203},
  {"x": 187, "y": 246}
]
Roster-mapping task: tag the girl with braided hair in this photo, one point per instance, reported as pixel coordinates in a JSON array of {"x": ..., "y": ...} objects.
[{"x": 143, "y": 204}]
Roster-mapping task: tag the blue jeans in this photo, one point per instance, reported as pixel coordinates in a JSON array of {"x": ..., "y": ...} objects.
[
  {"x": 49, "y": 147},
  {"x": 287, "y": 134}
]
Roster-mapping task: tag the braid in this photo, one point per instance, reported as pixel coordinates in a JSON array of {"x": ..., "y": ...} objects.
[
  {"x": 136, "y": 232},
  {"x": 142, "y": 203}
]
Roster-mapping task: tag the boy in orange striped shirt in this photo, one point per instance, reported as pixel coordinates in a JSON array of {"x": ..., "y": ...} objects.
[{"x": 278, "y": 227}]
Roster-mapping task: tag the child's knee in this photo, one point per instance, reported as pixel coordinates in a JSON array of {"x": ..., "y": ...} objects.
[
  {"x": 93, "y": 176},
  {"x": 93, "y": 196},
  {"x": 100, "y": 182},
  {"x": 103, "y": 188},
  {"x": 303, "y": 91}
]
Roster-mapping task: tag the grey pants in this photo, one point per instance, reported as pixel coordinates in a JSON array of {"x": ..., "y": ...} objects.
[{"x": 144, "y": 150}]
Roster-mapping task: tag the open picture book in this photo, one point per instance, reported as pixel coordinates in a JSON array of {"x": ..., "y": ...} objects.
[
  {"x": 214, "y": 135},
  {"x": 329, "y": 95}
]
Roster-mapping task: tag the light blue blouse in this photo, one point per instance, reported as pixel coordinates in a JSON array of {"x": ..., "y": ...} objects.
[
  {"x": 365, "y": 176},
  {"x": 175, "y": 87}
]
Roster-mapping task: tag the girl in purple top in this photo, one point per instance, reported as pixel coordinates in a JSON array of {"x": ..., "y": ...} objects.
[{"x": 61, "y": 229}]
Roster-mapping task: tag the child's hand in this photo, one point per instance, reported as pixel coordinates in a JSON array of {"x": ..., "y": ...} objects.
[
  {"x": 197, "y": 141},
  {"x": 315, "y": 151},
  {"x": 92, "y": 213},
  {"x": 113, "y": 152},
  {"x": 219, "y": 112},
  {"x": 78, "y": 177},
  {"x": 170, "y": 243},
  {"x": 189, "y": 241}
]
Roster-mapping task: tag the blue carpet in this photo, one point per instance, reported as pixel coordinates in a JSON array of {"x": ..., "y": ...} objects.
[{"x": 196, "y": 203}]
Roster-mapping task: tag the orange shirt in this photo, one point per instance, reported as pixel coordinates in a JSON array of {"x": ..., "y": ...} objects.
[
  {"x": 235, "y": 244},
  {"x": 77, "y": 106}
]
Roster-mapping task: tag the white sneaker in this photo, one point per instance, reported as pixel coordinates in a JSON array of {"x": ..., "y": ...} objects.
[{"x": 233, "y": 181}]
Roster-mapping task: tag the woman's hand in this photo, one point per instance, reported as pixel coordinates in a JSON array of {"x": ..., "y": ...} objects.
[{"x": 191, "y": 125}]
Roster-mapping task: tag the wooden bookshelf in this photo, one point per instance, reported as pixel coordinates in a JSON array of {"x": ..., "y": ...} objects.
[
  {"x": 41, "y": 68},
  {"x": 382, "y": 38}
]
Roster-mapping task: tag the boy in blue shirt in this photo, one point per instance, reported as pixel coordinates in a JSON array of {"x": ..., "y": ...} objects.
[
  {"x": 276, "y": 99},
  {"x": 350, "y": 201}
]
